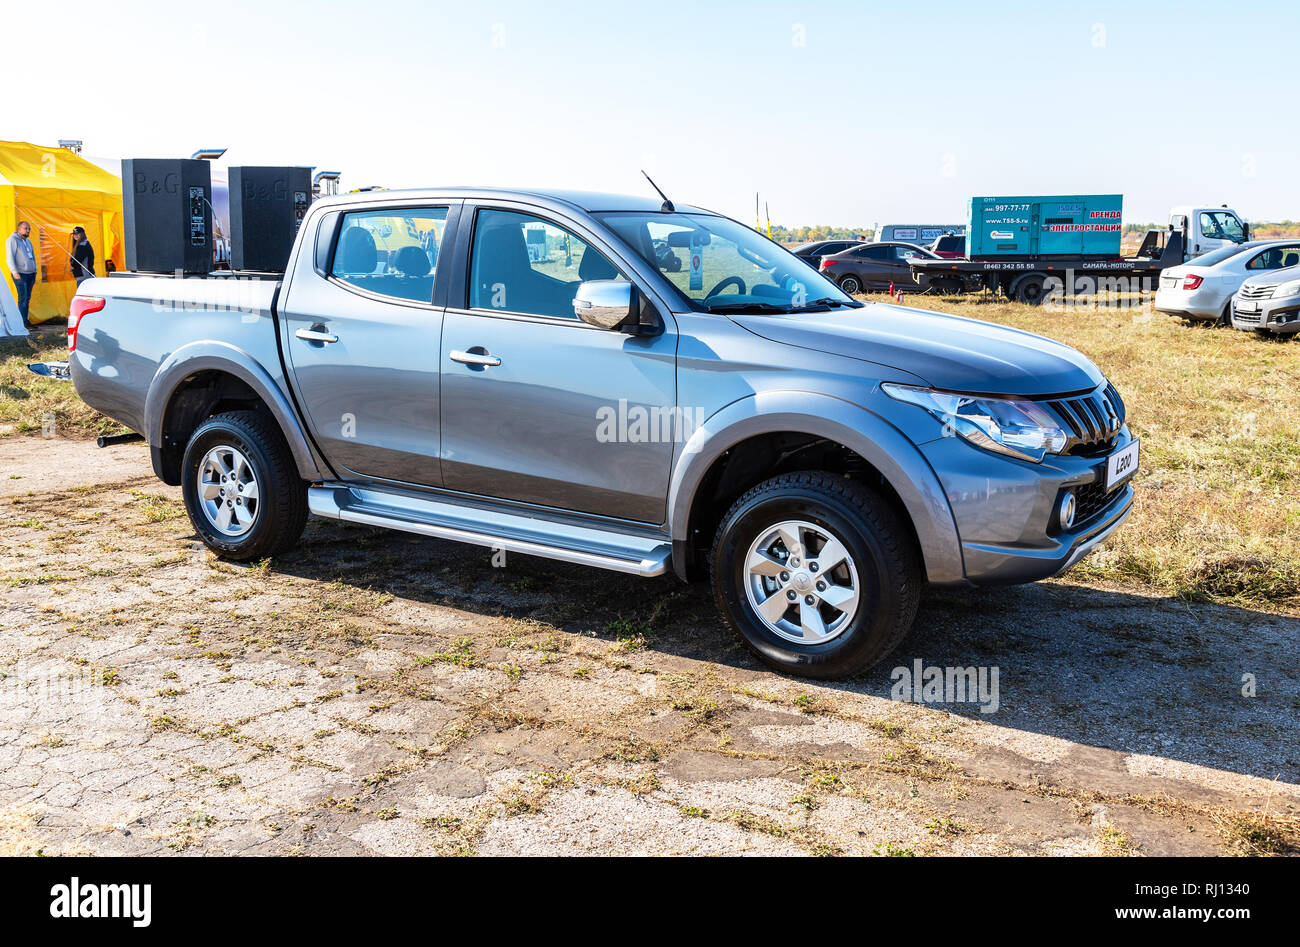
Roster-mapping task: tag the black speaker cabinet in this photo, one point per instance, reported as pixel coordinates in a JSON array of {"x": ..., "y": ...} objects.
[
  {"x": 167, "y": 213},
  {"x": 267, "y": 206}
]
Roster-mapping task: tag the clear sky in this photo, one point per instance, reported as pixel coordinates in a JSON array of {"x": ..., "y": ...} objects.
[{"x": 838, "y": 113}]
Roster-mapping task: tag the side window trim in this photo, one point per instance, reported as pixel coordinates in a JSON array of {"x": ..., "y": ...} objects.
[{"x": 327, "y": 235}]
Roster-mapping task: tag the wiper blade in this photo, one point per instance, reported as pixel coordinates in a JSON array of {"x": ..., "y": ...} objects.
[
  {"x": 746, "y": 307},
  {"x": 829, "y": 302}
]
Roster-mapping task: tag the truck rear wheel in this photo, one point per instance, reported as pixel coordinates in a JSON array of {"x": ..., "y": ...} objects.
[
  {"x": 1031, "y": 290},
  {"x": 241, "y": 487},
  {"x": 817, "y": 574}
]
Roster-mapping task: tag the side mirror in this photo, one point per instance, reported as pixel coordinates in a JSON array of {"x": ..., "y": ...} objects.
[{"x": 606, "y": 303}]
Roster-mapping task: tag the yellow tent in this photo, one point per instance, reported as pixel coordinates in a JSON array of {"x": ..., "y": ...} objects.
[{"x": 55, "y": 190}]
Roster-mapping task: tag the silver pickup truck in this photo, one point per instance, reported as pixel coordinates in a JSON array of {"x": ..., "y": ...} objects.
[{"x": 620, "y": 383}]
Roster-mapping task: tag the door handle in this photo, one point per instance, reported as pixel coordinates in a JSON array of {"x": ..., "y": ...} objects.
[
  {"x": 316, "y": 334},
  {"x": 480, "y": 358}
]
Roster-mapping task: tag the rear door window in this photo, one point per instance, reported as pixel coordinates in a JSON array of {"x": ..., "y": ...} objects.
[
  {"x": 1275, "y": 258},
  {"x": 391, "y": 252}
]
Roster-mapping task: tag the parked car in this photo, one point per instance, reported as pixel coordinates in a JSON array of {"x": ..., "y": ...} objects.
[
  {"x": 1269, "y": 303},
  {"x": 949, "y": 247},
  {"x": 742, "y": 418},
  {"x": 811, "y": 253},
  {"x": 1203, "y": 289},
  {"x": 873, "y": 266}
]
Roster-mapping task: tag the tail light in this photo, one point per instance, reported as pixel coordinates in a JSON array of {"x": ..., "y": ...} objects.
[
  {"x": 827, "y": 264},
  {"x": 81, "y": 305},
  {"x": 1192, "y": 282}
]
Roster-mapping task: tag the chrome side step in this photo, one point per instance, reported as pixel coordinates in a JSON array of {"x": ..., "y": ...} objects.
[{"x": 646, "y": 556}]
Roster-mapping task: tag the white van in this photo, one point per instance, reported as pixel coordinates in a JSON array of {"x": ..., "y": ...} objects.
[{"x": 920, "y": 234}]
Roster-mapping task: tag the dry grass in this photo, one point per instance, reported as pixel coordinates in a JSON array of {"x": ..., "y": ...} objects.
[
  {"x": 1217, "y": 515},
  {"x": 15, "y": 828},
  {"x": 26, "y": 400}
]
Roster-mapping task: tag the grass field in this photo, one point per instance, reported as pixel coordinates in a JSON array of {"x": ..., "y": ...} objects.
[{"x": 1217, "y": 515}]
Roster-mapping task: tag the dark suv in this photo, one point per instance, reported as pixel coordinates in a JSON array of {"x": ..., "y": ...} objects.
[{"x": 811, "y": 253}]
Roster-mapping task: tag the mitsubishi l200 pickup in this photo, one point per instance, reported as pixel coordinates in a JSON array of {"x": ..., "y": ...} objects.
[{"x": 527, "y": 371}]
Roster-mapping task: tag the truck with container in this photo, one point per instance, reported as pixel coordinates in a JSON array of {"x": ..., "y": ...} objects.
[
  {"x": 1029, "y": 247},
  {"x": 737, "y": 418}
]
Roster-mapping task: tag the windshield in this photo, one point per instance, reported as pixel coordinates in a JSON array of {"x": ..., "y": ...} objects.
[
  {"x": 718, "y": 265},
  {"x": 1221, "y": 225}
]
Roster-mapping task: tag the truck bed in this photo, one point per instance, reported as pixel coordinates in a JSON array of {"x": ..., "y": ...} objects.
[{"x": 150, "y": 324}]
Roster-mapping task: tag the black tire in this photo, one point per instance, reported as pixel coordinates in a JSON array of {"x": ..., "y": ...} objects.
[
  {"x": 883, "y": 551},
  {"x": 282, "y": 496},
  {"x": 851, "y": 285},
  {"x": 1032, "y": 290},
  {"x": 1225, "y": 317}
]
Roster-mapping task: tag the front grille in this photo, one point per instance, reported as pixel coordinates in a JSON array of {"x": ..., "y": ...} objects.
[
  {"x": 1091, "y": 500},
  {"x": 1249, "y": 318},
  {"x": 1092, "y": 421},
  {"x": 1256, "y": 292}
]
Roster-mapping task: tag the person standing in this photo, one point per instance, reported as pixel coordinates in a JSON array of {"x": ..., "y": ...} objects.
[
  {"x": 83, "y": 256},
  {"x": 21, "y": 259}
]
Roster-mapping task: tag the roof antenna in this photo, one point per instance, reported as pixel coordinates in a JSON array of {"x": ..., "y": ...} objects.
[{"x": 667, "y": 207}]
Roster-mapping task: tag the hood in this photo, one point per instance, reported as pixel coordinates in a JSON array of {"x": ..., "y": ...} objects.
[
  {"x": 948, "y": 352},
  {"x": 1273, "y": 277}
]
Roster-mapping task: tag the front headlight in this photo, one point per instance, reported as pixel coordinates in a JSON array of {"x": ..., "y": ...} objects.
[
  {"x": 1022, "y": 429},
  {"x": 1287, "y": 289}
]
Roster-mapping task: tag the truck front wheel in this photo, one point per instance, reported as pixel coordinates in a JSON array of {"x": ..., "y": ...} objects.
[
  {"x": 241, "y": 487},
  {"x": 817, "y": 574}
]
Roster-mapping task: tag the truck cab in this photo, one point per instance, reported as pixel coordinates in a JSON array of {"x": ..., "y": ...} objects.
[{"x": 1207, "y": 228}]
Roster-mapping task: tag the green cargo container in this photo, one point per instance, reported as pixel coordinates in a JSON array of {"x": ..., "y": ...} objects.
[{"x": 1020, "y": 228}]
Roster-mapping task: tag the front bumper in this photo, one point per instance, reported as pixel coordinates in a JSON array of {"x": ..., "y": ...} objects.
[
  {"x": 1280, "y": 316},
  {"x": 1005, "y": 509}
]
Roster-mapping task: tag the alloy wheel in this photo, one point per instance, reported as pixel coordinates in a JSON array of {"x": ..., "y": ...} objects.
[
  {"x": 228, "y": 490},
  {"x": 802, "y": 582}
]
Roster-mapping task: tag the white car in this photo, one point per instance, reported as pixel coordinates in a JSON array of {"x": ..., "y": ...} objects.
[{"x": 1203, "y": 288}]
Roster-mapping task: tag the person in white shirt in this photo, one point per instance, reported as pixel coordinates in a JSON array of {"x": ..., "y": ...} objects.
[{"x": 21, "y": 259}]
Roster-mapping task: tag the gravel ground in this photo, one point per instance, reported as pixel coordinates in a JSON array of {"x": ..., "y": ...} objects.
[{"x": 377, "y": 693}]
